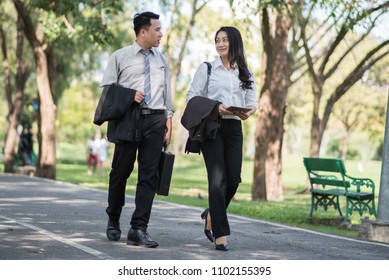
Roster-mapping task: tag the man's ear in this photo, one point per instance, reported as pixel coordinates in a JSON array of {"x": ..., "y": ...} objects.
[{"x": 143, "y": 32}]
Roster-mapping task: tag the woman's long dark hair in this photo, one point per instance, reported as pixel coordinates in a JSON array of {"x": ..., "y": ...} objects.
[{"x": 236, "y": 55}]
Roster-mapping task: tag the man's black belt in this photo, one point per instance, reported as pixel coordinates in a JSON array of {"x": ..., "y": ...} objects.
[{"x": 151, "y": 112}]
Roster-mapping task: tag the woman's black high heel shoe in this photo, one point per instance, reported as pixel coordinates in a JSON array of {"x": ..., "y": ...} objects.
[
  {"x": 222, "y": 247},
  {"x": 207, "y": 232}
]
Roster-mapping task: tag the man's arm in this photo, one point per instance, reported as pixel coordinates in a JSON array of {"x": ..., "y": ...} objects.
[{"x": 167, "y": 90}]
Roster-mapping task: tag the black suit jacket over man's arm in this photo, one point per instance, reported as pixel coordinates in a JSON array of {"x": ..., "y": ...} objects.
[{"x": 117, "y": 106}]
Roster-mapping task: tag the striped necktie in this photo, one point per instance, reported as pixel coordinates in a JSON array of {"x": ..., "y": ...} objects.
[{"x": 147, "y": 77}]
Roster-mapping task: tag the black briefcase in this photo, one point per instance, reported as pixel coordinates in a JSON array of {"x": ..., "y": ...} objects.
[{"x": 165, "y": 172}]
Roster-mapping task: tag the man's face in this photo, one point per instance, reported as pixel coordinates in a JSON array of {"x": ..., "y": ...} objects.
[{"x": 154, "y": 35}]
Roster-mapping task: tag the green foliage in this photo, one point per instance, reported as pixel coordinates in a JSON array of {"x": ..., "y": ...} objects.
[
  {"x": 379, "y": 152},
  {"x": 82, "y": 20},
  {"x": 334, "y": 149},
  {"x": 75, "y": 115},
  {"x": 273, "y": 4},
  {"x": 278, "y": 4},
  {"x": 58, "y": 6},
  {"x": 72, "y": 153},
  {"x": 351, "y": 13}
]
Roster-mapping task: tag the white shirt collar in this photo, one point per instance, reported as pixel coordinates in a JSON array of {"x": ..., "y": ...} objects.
[
  {"x": 219, "y": 62},
  {"x": 137, "y": 48}
]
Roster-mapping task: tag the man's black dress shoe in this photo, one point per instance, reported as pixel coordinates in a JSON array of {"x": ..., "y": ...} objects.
[
  {"x": 222, "y": 247},
  {"x": 207, "y": 232},
  {"x": 113, "y": 230},
  {"x": 140, "y": 238}
]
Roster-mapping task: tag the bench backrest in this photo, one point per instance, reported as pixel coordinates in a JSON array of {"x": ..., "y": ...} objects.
[
  {"x": 325, "y": 164},
  {"x": 315, "y": 167}
]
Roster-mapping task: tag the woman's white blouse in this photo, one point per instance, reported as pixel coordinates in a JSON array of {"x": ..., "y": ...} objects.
[{"x": 224, "y": 86}]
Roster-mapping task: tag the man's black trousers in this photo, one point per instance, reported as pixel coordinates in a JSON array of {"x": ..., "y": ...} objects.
[{"x": 148, "y": 151}]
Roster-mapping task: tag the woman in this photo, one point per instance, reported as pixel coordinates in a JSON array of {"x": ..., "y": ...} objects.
[
  {"x": 92, "y": 154},
  {"x": 231, "y": 84},
  {"x": 103, "y": 153}
]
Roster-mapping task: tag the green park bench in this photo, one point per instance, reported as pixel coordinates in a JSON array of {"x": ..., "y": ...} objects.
[{"x": 329, "y": 181}]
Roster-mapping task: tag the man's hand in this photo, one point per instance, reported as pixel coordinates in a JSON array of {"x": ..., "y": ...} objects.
[
  {"x": 139, "y": 96},
  {"x": 168, "y": 133}
]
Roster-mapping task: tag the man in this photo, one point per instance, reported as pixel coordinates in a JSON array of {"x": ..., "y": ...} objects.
[{"x": 137, "y": 67}]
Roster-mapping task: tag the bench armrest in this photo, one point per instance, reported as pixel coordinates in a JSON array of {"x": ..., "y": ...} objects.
[{"x": 361, "y": 182}]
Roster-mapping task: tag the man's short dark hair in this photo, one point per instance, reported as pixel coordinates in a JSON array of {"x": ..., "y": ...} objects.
[{"x": 143, "y": 20}]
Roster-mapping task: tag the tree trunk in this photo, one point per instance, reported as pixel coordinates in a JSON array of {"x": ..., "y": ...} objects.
[
  {"x": 267, "y": 184},
  {"x": 47, "y": 159},
  {"x": 16, "y": 107},
  {"x": 316, "y": 134},
  {"x": 7, "y": 71},
  {"x": 8, "y": 151}
]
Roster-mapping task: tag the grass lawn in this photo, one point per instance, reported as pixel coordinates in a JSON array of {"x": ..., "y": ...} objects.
[{"x": 189, "y": 187}]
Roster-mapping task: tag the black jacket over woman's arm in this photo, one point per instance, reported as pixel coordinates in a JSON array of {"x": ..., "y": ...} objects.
[{"x": 201, "y": 118}]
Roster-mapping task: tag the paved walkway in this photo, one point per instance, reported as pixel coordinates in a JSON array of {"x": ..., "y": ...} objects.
[{"x": 48, "y": 220}]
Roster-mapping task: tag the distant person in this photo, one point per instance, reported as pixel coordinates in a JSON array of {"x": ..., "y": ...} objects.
[
  {"x": 25, "y": 151},
  {"x": 231, "y": 83},
  {"x": 144, "y": 70},
  {"x": 92, "y": 156},
  {"x": 103, "y": 146}
]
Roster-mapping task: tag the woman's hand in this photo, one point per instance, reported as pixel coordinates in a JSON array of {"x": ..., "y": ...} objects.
[
  {"x": 241, "y": 114},
  {"x": 224, "y": 111},
  {"x": 245, "y": 115}
]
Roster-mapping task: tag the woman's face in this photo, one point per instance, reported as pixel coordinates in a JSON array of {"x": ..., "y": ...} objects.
[{"x": 222, "y": 44}]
